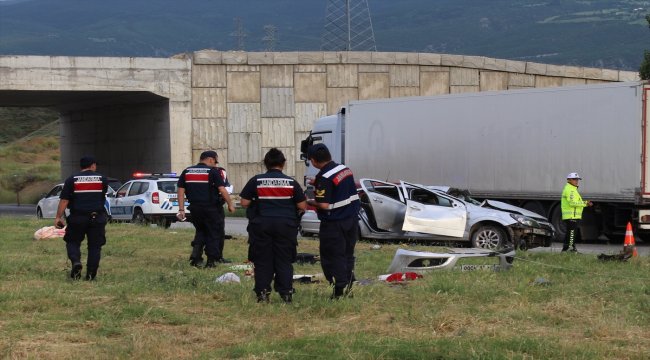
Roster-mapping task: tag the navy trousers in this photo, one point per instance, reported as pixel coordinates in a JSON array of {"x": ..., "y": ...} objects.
[
  {"x": 79, "y": 227},
  {"x": 208, "y": 223},
  {"x": 273, "y": 242},
  {"x": 337, "y": 241}
]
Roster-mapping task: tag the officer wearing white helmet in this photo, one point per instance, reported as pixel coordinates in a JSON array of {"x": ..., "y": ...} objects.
[{"x": 572, "y": 206}]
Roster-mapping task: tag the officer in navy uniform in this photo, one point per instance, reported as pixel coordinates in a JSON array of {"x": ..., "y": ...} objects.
[
  {"x": 273, "y": 228},
  {"x": 337, "y": 205},
  {"x": 197, "y": 253},
  {"x": 84, "y": 194},
  {"x": 202, "y": 184}
]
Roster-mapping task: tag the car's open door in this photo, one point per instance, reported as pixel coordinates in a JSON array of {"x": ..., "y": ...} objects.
[
  {"x": 386, "y": 202},
  {"x": 432, "y": 213}
]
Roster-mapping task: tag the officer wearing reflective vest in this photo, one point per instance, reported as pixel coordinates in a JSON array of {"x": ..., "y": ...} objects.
[
  {"x": 84, "y": 193},
  {"x": 572, "y": 206},
  {"x": 273, "y": 226},
  {"x": 337, "y": 204},
  {"x": 202, "y": 184},
  {"x": 196, "y": 259}
]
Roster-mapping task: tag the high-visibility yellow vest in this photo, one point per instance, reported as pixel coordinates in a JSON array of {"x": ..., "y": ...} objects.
[{"x": 572, "y": 203}]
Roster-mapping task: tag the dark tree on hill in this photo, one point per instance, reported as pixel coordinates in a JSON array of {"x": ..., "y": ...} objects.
[
  {"x": 644, "y": 69},
  {"x": 18, "y": 182}
]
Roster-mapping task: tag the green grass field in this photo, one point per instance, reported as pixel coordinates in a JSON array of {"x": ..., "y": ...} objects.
[{"x": 148, "y": 303}]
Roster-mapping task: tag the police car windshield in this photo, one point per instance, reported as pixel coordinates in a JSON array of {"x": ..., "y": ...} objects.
[{"x": 168, "y": 187}]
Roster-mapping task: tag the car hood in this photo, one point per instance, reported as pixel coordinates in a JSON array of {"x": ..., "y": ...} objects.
[{"x": 511, "y": 208}]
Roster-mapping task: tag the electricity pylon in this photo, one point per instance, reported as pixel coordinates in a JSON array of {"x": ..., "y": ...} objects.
[{"x": 348, "y": 26}]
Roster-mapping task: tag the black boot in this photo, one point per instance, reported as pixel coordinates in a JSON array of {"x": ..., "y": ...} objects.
[
  {"x": 287, "y": 298},
  {"x": 263, "y": 297},
  {"x": 196, "y": 262},
  {"x": 211, "y": 263},
  {"x": 338, "y": 293},
  {"x": 91, "y": 274},
  {"x": 75, "y": 273}
]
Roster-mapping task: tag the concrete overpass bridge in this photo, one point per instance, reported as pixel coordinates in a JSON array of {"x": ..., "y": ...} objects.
[{"x": 158, "y": 114}]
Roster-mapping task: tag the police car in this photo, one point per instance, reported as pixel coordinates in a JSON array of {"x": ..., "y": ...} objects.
[{"x": 148, "y": 198}]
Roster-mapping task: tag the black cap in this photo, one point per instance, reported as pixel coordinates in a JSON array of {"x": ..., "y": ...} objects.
[
  {"x": 209, "y": 154},
  {"x": 87, "y": 161},
  {"x": 314, "y": 148}
]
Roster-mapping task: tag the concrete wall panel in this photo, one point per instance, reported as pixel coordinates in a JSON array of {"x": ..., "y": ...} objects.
[
  {"x": 403, "y": 91},
  {"x": 493, "y": 80},
  {"x": 307, "y": 113},
  {"x": 277, "y": 102},
  {"x": 243, "y": 87},
  {"x": 403, "y": 75},
  {"x": 208, "y": 76},
  {"x": 464, "y": 77},
  {"x": 338, "y": 97},
  {"x": 277, "y": 76},
  {"x": 521, "y": 80},
  {"x": 209, "y": 133},
  {"x": 243, "y": 118},
  {"x": 310, "y": 87},
  {"x": 343, "y": 76},
  {"x": 547, "y": 81},
  {"x": 434, "y": 83},
  {"x": 208, "y": 102},
  {"x": 463, "y": 89},
  {"x": 244, "y": 148},
  {"x": 277, "y": 132},
  {"x": 374, "y": 86}
]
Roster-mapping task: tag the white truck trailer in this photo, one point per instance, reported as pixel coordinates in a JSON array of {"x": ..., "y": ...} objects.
[{"x": 515, "y": 146}]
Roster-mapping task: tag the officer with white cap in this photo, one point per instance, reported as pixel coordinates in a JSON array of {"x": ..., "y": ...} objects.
[{"x": 572, "y": 205}]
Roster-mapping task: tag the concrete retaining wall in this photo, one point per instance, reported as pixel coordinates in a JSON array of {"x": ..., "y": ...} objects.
[{"x": 245, "y": 103}]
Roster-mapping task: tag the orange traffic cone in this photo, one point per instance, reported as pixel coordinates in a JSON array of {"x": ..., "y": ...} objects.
[{"x": 629, "y": 243}]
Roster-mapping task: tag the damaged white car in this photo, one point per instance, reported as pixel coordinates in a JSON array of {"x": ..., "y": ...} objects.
[{"x": 416, "y": 212}]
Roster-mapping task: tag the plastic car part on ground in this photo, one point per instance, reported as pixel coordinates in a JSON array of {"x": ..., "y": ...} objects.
[
  {"x": 228, "y": 278},
  {"x": 398, "y": 277},
  {"x": 48, "y": 232},
  {"x": 423, "y": 261}
]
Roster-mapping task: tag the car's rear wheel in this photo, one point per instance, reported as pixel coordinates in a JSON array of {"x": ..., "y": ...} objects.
[
  {"x": 39, "y": 212},
  {"x": 488, "y": 237},
  {"x": 138, "y": 217},
  {"x": 164, "y": 223}
]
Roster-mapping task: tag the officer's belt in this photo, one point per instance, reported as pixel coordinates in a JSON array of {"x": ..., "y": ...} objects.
[
  {"x": 343, "y": 202},
  {"x": 76, "y": 212}
]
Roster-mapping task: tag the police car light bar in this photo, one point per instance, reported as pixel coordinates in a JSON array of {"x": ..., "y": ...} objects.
[{"x": 139, "y": 175}]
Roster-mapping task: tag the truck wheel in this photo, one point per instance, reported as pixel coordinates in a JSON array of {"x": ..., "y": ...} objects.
[
  {"x": 556, "y": 220},
  {"x": 488, "y": 237},
  {"x": 138, "y": 217},
  {"x": 535, "y": 206}
]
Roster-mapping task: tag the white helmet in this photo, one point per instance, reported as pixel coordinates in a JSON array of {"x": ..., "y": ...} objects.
[{"x": 574, "y": 175}]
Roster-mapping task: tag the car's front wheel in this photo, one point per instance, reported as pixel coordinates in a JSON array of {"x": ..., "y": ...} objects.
[
  {"x": 39, "y": 212},
  {"x": 138, "y": 217},
  {"x": 488, "y": 237}
]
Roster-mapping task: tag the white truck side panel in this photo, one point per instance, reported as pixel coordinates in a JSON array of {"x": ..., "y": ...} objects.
[{"x": 505, "y": 143}]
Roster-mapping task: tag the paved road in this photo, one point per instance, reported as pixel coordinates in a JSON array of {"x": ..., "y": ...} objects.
[
  {"x": 237, "y": 226},
  {"x": 15, "y": 210}
]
